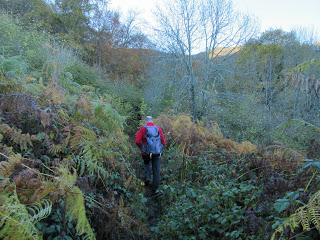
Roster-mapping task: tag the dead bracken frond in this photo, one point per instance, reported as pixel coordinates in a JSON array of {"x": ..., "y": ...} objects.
[
  {"x": 196, "y": 137},
  {"x": 283, "y": 158}
]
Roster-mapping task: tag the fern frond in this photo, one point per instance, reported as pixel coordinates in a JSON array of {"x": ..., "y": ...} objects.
[
  {"x": 76, "y": 211},
  {"x": 75, "y": 206},
  {"x": 39, "y": 211},
  {"x": 304, "y": 219},
  {"x": 7, "y": 167},
  {"x": 66, "y": 180},
  {"x": 314, "y": 210},
  {"x": 315, "y": 216},
  {"x": 23, "y": 140},
  {"x": 63, "y": 116},
  {"x": 81, "y": 136},
  {"x": 90, "y": 157},
  {"x": 55, "y": 149},
  {"x": 15, "y": 221},
  {"x": 96, "y": 155},
  {"x": 92, "y": 161},
  {"x": 304, "y": 216}
]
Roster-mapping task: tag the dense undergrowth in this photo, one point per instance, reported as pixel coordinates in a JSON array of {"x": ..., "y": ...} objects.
[
  {"x": 67, "y": 166},
  {"x": 229, "y": 190},
  {"x": 64, "y": 164}
]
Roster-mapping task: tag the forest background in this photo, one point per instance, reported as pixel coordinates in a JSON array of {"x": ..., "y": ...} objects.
[{"x": 76, "y": 80}]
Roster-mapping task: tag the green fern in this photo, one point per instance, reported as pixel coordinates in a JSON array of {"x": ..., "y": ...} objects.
[
  {"x": 92, "y": 151},
  {"x": 56, "y": 149},
  {"x": 15, "y": 221},
  {"x": 66, "y": 180},
  {"x": 39, "y": 211},
  {"x": 76, "y": 210},
  {"x": 304, "y": 216},
  {"x": 108, "y": 119},
  {"x": 75, "y": 207}
]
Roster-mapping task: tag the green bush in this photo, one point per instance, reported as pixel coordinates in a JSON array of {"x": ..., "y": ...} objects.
[
  {"x": 13, "y": 67},
  {"x": 83, "y": 74},
  {"x": 296, "y": 133},
  {"x": 14, "y": 41},
  {"x": 212, "y": 207}
]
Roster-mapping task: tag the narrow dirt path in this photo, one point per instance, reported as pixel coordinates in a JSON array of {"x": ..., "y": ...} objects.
[
  {"x": 153, "y": 204},
  {"x": 154, "y": 207}
]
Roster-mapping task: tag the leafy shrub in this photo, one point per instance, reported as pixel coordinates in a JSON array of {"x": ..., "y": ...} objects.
[
  {"x": 17, "y": 42},
  {"x": 83, "y": 74},
  {"x": 13, "y": 67},
  {"x": 211, "y": 203},
  {"x": 296, "y": 133}
]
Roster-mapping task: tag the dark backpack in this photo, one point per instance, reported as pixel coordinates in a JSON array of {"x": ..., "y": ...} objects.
[{"x": 154, "y": 144}]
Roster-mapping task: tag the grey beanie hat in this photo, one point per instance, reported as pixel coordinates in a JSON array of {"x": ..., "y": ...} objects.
[{"x": 148, "y": 119}]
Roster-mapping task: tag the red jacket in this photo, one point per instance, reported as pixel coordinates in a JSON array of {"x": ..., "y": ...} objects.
[{"x": 140, "y": 135}]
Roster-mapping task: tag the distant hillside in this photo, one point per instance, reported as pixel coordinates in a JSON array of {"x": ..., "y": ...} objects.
[{"x": 220, "y": 51}]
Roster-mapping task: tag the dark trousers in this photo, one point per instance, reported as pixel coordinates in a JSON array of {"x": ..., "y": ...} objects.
[{"x": 152, "y": 164}]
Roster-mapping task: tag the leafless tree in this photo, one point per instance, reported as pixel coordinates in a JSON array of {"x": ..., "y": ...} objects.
[
  {"x": 307, "y": 35},
  {"x": 179, "y": 24},
  {"x": 212, "y": 27}
]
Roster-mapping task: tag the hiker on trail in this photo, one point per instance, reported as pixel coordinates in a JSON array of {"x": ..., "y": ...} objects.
[{"x": 151, "y": 141}]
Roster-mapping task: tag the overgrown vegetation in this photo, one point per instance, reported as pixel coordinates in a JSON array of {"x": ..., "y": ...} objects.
[
  {"x": 62, "y": 143},
  {"x": 233, "y": 191},
  {"x": 242, "y": 159}
]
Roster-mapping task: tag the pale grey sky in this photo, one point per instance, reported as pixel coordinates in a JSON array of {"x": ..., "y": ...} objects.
[{"x": 285, "y": 14}]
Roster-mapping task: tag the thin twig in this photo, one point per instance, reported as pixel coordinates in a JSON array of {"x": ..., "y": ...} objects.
[
  {"x": 44, "y": 174},
  {"x": 5, "y": 156},
  {"x": 250, "y": 171},
  {"x": 46, "y": 167},
  {"x": 313, "y": 175}
]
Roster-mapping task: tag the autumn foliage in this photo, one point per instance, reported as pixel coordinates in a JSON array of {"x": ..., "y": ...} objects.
[{"x": 195, "y": 138}]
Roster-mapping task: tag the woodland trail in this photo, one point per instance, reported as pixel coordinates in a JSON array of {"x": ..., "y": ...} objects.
[
  {"x": 154, "y": 207},
  {"x": 153, "y": 203}
]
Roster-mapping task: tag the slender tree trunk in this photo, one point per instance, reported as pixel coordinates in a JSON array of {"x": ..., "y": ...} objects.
[{"x": 268, "y": 95}]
